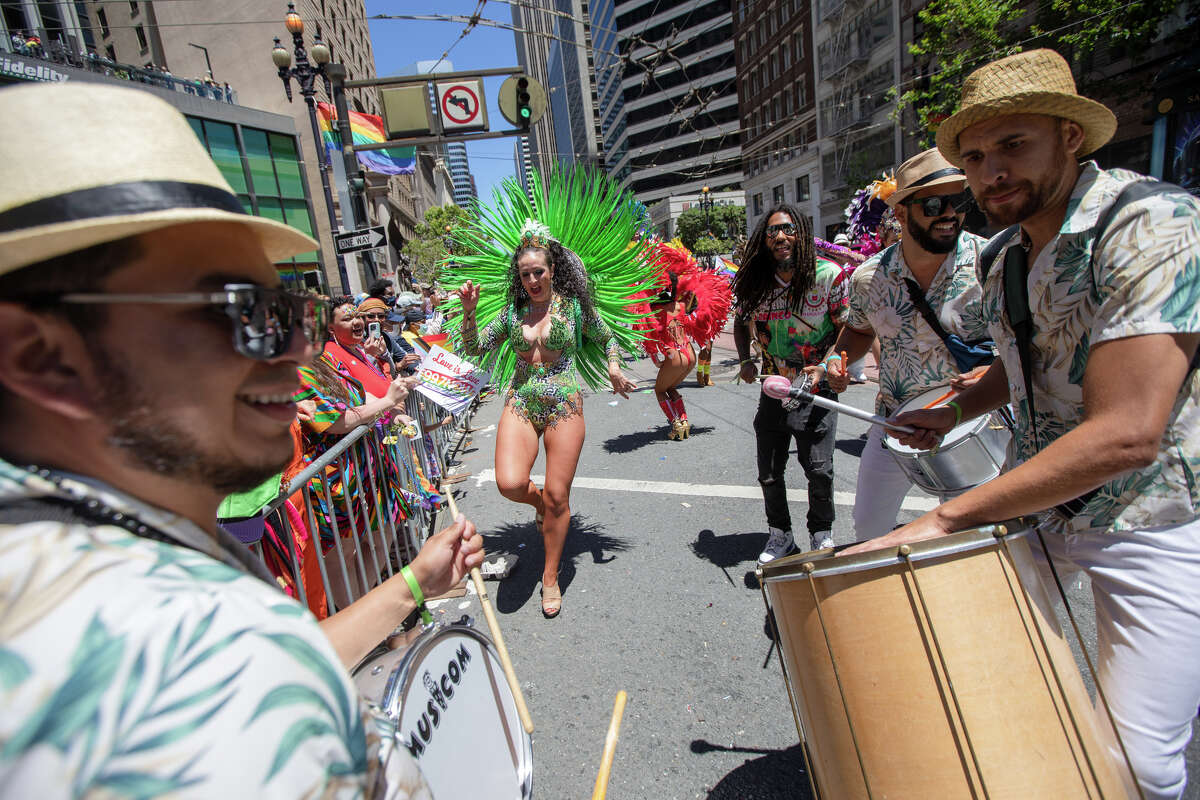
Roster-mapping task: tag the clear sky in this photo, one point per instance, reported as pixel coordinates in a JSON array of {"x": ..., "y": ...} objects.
[{"x": 400, "y": 43}]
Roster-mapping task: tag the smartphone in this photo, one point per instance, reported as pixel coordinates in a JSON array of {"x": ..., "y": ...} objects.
[{"x": 373, "y": 330}]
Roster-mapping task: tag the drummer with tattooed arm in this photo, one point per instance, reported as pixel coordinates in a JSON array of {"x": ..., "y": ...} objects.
[
  {"x": 933, "y": 264},
  {"x": 1104, "y": 384},
  {"x": 148, "y": 360}
]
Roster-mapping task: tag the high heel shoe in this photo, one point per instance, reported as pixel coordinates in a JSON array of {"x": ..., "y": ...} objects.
[
  {"x": 551, "y": 601},
  {"x": 686, "y": 427},
  {"x": 677, "y": 431}
]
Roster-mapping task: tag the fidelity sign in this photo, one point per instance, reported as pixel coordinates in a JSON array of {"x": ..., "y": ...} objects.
[{"x": 33, "y": 72}]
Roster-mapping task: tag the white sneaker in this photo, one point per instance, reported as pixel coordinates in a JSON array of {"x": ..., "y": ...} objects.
[
  {"x": 779, "y": 544},
  {"x": 825, "y": 541}
]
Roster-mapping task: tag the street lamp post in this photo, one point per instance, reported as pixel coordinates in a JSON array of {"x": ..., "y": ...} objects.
[
  {"x": 706, "y": 205},
  {"x": 305, "y": 73}
]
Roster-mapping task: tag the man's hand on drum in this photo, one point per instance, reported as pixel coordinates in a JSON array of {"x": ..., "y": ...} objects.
[
  {"x": 928, "y": 526},
  {"x": 931, "y": 425},
  {"x": 447, "y": 557},
  {"x": 968, "y": 378}
]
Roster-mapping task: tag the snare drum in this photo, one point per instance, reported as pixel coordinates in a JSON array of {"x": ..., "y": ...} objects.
[
  {"x": 970, "y": 454},
  {"x": 937, "y": 673},
  {"x": 453, "y": 711}
]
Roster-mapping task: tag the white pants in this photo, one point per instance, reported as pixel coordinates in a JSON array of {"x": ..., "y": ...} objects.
[
  {"x": 1146, "y": 585},
  {"x": 881, "y": 488}
]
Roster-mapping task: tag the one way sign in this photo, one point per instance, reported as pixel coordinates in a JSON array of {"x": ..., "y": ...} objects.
[{"x": 353, "y": 241}]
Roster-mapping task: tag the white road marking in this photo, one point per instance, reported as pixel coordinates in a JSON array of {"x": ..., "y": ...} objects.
[{"x": 701, "y": 490}]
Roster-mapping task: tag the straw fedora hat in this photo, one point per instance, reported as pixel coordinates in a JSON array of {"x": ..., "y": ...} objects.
[
  {"x": 921, "y": 171},
  {"x": 1034, "y": 82},
  {"x": 83, "y": 164}
]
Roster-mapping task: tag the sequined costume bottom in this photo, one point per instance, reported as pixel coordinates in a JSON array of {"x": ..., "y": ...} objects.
[{"x": 544, "y": 394}]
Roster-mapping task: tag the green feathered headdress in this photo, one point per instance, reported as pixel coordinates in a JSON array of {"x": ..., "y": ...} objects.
[{"x": 585, "y": 212}]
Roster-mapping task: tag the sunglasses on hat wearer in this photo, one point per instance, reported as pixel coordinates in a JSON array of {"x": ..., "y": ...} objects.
[
  {"x": 263, "y": 319},
  {"x": 374, "y": 315},
  {"x": 786, "y": 228},
  {"x": 936, "y": 205}
]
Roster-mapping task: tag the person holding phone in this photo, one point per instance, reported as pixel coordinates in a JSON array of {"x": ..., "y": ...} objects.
[{"x": 397, "y": 353}]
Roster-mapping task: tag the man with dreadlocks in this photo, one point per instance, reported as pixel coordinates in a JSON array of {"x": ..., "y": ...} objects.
[{"x": 792, "y": 303}]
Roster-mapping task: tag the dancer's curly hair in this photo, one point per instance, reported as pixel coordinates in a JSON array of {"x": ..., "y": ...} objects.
[
  {"x": 569, "y": 278},
  {"x": 755, "y": 278}
]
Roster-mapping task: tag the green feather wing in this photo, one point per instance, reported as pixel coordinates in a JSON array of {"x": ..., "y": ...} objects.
[{"x": 588, "y": 214}]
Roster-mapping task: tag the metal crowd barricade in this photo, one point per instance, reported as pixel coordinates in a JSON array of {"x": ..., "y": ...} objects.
[{"x": 354, "y": 491}]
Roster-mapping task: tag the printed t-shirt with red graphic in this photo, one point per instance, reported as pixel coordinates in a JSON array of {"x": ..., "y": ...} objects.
[{"x": 790, "y": 341}]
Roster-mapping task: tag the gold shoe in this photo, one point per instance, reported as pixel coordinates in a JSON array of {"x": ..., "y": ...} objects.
[
  {"x": 676, "y": 431},
  {"x": 686, "y": 427}
]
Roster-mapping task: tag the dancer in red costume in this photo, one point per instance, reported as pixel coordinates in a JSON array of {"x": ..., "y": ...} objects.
[{"x": 691, "y": 305}]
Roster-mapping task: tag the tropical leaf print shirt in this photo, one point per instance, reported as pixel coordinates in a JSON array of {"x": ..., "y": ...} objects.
[
  {"x": 1146, "y": 280},
  {"x": 133, "y": 668},
  {"x": 791, "y": 341},
  {"x": 913, "y": 358}
]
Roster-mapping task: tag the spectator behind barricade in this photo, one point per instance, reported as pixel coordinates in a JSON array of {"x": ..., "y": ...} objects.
[
  {"x": 385, "y": 290},
  {"x": 414, "y": 318},
  {"x": 399, "y": 355},
  {"x": 348, "y": 349}
]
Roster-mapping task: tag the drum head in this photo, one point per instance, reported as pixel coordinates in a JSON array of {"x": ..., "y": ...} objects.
[
  {"x": 956, "y": 433},
  {"x": 450, "y": 700}
]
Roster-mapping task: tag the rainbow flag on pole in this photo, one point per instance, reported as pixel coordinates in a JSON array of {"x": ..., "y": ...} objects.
[{"x": 367, "y": 129}]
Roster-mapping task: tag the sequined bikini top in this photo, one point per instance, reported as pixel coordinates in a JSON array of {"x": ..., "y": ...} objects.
[{"x": 559, "y": 336}]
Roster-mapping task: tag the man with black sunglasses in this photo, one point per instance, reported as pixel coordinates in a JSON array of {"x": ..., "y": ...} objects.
[
  {"x": 935, "y": 260},
  {"x": 148, "y": 362},
  {"x": 791, "y": 302}
]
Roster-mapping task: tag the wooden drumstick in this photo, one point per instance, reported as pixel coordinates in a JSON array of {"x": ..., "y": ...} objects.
[
  {"x": 610, "y": 747},
  {"x": 494, "y": 627}
]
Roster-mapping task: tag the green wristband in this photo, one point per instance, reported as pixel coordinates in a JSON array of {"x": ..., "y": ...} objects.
[
  {"x": 417, "y": 594},
  {"x": 957, "y": 412}
]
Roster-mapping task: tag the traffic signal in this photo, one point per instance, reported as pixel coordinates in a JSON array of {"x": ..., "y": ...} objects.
[{"x": 524, "y": 112}]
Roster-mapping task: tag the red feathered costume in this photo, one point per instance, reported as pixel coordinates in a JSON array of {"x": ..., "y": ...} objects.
[{"x": 687, "y": 304}]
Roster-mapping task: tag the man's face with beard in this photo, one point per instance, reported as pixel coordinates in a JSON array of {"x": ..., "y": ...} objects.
[
  {"x": 936, "y": 234},
  {"x": 781, "y": 243},
  {"x": 1020, "y": 165},
  {"x": 176, "y": 398}
]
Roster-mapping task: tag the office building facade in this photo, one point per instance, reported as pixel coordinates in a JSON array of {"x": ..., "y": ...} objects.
[{"x": 460, "y": 174}]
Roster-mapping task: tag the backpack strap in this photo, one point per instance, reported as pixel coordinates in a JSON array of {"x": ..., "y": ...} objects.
[{"x": 992, "y": 249}]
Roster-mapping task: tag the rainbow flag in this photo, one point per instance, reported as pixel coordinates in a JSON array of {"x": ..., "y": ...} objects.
[
  {"x": 367, "y": 129},
  {"x": 726, "y": 268}
]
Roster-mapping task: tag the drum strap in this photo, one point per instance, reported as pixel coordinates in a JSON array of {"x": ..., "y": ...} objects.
[{"x": 1016, "y": 298}]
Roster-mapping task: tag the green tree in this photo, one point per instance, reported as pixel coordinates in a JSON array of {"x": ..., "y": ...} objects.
[
  {"x": 962, "y": 35},
  {"x": 711, "y": 235},
  {"x": 427, "y": 248}
]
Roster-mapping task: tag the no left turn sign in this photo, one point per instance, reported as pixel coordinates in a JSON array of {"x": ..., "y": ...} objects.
[{"x": 462, "y": 105}]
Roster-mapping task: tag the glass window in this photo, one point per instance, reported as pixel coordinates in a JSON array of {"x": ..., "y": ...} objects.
[
  {"x": 198, "y": 128},
  {"x": 222, "y": 146},
  {"x": 777, "y": 194},
  {"x": 258, "y": 156},
  {"x": 111, "y": 52},
  {"x": 247, "y": 205},
  {"x": 802, "y": 190},
  {"x": 133, "y": 7},
  {"x": 143, "y": 43},
  {"x": 296, "y": 214},
  {"x": 287, "y": 166},
  {"x": 102, "y": 18},
  {"x": 758, "y": 206}
]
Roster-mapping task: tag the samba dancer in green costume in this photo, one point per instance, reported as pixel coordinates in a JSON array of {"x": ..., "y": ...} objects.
[{"x": 533, "y": 314}]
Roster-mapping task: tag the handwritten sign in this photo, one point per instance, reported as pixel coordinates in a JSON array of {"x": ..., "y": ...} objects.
[{"x": 448, "y": 380}]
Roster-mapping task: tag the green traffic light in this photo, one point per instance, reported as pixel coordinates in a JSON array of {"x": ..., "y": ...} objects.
[{"x": 525, "y": 113}]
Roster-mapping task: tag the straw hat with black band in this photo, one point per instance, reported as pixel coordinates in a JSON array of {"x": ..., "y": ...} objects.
[
  {"x": 923, "y": 171},
  {"x": 1034, "y": 82},
  {"x": 84, "y": 164}
]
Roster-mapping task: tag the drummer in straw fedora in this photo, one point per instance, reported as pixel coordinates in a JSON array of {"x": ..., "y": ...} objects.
[
  {"x": 939, "y": 259},
  {"x": 1110, "y": 458},
  {"x": 147, "y": 361}
]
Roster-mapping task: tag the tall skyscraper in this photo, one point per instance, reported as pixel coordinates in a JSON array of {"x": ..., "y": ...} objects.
[
  {"x": 522, "y": 162},
  {"x": 773, "y": 40},
  {"x": 460, "y": 174},
  {"x": 676, "y": 126},
  {"x": 554, "y": 45}
]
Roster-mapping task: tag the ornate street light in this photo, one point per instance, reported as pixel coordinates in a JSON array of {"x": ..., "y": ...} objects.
[
  {"x": 706, "y": 204},
  {"x": 305, "y": 74}
]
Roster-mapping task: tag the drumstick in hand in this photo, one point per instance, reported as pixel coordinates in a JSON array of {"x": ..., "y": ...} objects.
[
  {"x": 494, "y": 627},
  {"x": 610, "y": 747}
]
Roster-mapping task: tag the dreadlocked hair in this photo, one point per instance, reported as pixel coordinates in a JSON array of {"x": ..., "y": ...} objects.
[
  {"x": 568, "y": 278},
  {"x": 755, "y": 278}
]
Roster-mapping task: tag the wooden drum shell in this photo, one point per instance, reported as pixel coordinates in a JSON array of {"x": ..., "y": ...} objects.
[{"x": 1011, "y": 720}]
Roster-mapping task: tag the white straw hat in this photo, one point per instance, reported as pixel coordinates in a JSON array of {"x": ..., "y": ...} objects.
[
  {"x": 83, "y": 164},
  {"x": 1033, "y": 82}
]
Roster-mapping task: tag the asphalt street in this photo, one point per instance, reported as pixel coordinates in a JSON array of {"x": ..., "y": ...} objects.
[{"x": 660, "y": 597}]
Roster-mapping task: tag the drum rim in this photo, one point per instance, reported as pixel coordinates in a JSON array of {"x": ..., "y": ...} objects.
[
  {"x": 403, "y": 675},
  {"x": 802, "y": 566}
]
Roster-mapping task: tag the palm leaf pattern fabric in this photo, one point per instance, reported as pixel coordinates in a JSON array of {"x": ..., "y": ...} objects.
[
  {"x": 133, "y": 668},
  {"x": 913, "y": 358},
  {"x": 1145, "y": 280}
]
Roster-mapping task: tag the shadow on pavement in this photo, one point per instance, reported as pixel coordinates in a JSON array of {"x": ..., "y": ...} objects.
[
  {"x": 776, "y": 774},
  {"x": 852, "y": 447},
  {"x": 523, "y": 583},
  {"x": 636, "y": 440},
  {"x": 728, "y": 550}
]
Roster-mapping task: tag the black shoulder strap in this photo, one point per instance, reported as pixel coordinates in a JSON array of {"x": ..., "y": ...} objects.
[
  {"x": 992, "y": 249},
  {"x": 918, "y": 300}
]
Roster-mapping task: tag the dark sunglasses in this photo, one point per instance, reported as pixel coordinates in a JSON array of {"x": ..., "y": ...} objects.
[
  {"x": 786, "y": 228},
  {"x": 377, "y": 316},
  {"x": 936, "y": 205},
  {"x": 263, "y": 319}
]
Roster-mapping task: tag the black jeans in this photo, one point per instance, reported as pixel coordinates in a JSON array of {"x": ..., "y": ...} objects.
[{"x": 815, "y": 430}]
